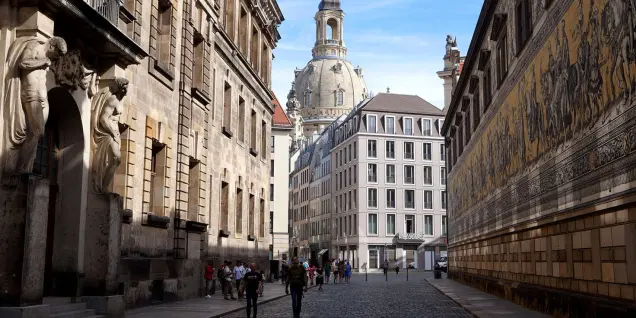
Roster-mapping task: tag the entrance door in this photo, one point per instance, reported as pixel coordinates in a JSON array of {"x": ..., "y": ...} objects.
[{"x": 45, "y": 164}]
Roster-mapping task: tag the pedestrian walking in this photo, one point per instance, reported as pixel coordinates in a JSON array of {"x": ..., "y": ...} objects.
[
  {"x": 283, "y": 272},
  {"x": 312, "y": 271},
  {"x": 253, "y": 281},
  {"x": 341, "y": 271},
  {"x": 319, "y": 277},
  {"x": 397, "y": 267},
  {"x": 327, "y": 271},
  {"x": 239, "y": 271},
  {"x": 297, "y": 277},
  {"x": 227, "y": 281},
  {"x": 385, "y": 267},
  {"x": 347, "y": 272},
  {"x": 210, "y": 286},
  {"x": 335, "y": 271}
]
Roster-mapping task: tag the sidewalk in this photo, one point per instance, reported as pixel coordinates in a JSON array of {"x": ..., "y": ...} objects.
[
  {"x": 212, "y": 307},
  {"x": 482, "y": 304}
]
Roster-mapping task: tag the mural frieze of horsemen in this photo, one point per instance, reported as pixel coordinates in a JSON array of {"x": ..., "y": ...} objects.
[{"x": 580, "y": 80}]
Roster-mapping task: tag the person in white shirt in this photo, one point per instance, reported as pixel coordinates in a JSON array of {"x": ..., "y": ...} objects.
[{"x": 239, "y": 271}]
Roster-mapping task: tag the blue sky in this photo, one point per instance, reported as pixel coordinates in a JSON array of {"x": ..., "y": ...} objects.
[{"x": 398, "y": 43}]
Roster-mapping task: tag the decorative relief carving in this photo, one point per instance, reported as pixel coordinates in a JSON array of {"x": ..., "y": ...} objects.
[
  {"x": 106, "y": 111},
  {"x": 27, "y": 108}
]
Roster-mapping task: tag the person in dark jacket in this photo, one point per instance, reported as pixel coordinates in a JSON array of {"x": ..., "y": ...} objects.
[{"x": 298, "y": 280}]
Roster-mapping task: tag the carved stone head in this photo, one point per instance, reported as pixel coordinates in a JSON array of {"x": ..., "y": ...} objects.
[
  {"x": 56, "y": 47},
  {"x": 119, "y": 87}
]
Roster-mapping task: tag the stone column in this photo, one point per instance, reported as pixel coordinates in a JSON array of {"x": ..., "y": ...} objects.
[{"x": 24, "y": 215}]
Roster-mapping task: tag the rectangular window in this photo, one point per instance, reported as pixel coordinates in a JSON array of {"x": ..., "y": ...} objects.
[
  {"x": 164, "y": 33},
  {"x": 390, "y": 149},
  {"x": 444, "y": 224},
  {"x": 389, "y": 124},
  {"x": 390, "y": 224},
  {"x": 373, "y": 224},
  {"x": 409, "y": 151},
  {"x": 426, "y": 127},
  {"x": 355, "y": 174},
  {"x": 250, "y": 221},
  {"x": 501, "y": 58},
  {"x": 252, "y": 132},
  {"x": 225, "y": 212},
  {"x": 371, "y": 123},
  {"x": 428, "y": 224},
  {"x": 238, "y": 226},
  {"x": 442, "y": 152},
  {"x": 372, "y": 173},
  {"x": 271, "y": 192},
  {"x": 476, "y": 111},
  {"x": 409, "y": 199},
  {"x": 426, "y": 151},
  {"x": 241, "y": 120},
  {"x": 261, "y": 230},
  {"x": 428, "y": 175},
  {"x": 409, "y": 224},
  {"x": 443, "y": 176},
  {"x": 428, "y": 199},
  {"x": 263, "y": 139},
  {"x": 487, "y": 88},
  {"x": 390, "y": 173},
  {"x": 372, "y": 148},
  {"x": 373, "y": 258},
  {"x": 355, "y": 198},
  {"x": 408, "y": 126},
  {"x": 409, "y": 174},
  {"x": 390, "y": 198},
  {"x": 373, "y": 198},
  {"x": 271, "y": 168},
  {"x": 227, "y": 110},
  {"x": 355, "y": 149},
  {"x": 524, "y": 23},
  {"x": 229, "y": 18},
  {"x": 467, "y": 129},
  {"x": 271, "y": 144},
  {"x": 444, "y": 200}
]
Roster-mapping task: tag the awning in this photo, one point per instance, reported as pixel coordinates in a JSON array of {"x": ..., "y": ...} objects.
[{"x": 323, "y": 251}]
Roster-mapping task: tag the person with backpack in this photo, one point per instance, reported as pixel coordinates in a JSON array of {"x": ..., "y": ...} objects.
[
  {"x": 227, "y": 281},
  {"x": 297, "y": 278},
  {"x": 210, "y": 283},
  {"x": 253, "y": 283}
]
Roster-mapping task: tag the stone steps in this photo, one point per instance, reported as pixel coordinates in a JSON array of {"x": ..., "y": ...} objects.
[{"x": 63, "y": 307}]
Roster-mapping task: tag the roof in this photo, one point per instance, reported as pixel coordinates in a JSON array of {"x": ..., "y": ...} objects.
[
  {"x": 280, "y": 119},
  {"x": 398, "y": 103}
]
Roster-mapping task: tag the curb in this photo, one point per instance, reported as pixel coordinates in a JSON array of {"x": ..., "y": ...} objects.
[
  {"x": 451, "y": 298},
  {"x": 242, "y": 308}
]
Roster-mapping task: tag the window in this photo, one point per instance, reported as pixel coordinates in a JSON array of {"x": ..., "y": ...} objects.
[
  {"x": 254, "y": 48},
  {"x": 426, "y": 127},
  {"x": 227, "y": 110},
  {"x": 261, "y": 230},
  {"x": 523, "y": 14},
  {"x": 428, "y": 225},
  {"x": 372, "y": 149},
  {"x": 487, "y": 88},
  {"x": 228, "y": 20},
  {"x": 373, "y": 258},
  {"x": 308, "y": 98},
  {"x": 339, "y": 98},
  {"x": 409, "y": 199},
  {"x": 444, "y": 200},
  {"x": 476, "y": 111},
  {"x": 408, "y": 126},
  {"x": 271, "y": 144},
  {"x": 263, "y": 139},
  {"x": 271, "y": 168},
  {"x": 271, "y": 192},
  {"x": 390, "y": 198},
  {"x": 444, "y": 224},
  {"x": 252, "y": 132},
  {"x": 501, "y": 58},
  {"x": 355, "y": 197},
  {"x": 409, "y": 152},
  {"x": 250, "y": 221},
  {"x": 440, "y": 125},
  {"x": 428, "y": 175},
  {"x": 428, "y": 199},
  {"x": 390, "y": 149},
  {"x": 372, "y": 173},
  {"x": 157, "y": 178},
  {"x": 390, "y": 173},
  {"x": 355, "y": 174},
  {"x": 442, "y": 152},
  {"x": 443, "y": 176},
  {"x": 389, "y": 124},
  {"x": 355, "y": 149},
  {"x": 426, "y": 151},
  {"x": 164, "y": 36},
  {"x": 390, "y": 224},
  {"x": 373, "y": 224},
  {"x": 225, "y": 199},
  {"x": 409, "y": 224},
  {"x": 373, "y": 198},
  {"x": 371, "y": 124},
  {"x": 409, "y": 174}
]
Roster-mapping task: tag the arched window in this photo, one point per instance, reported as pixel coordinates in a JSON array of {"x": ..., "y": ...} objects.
[{"x": 339, "y": 98}]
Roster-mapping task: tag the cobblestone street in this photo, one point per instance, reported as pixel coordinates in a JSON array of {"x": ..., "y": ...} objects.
[{"x": 375, "y": 298}]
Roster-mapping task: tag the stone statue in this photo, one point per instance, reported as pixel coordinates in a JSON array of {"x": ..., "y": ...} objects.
[
  {"x": 451, "y": 42},
  {"x": 106, "y": 110},
  {"x": 27, "y": 106}
]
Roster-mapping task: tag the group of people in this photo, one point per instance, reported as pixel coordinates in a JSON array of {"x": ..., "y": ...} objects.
[
  {"x": 385, "y": 267},
  {"x": 248, "y": 282}
]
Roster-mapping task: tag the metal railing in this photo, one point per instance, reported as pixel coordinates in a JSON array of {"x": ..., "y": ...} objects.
[{"x": 109, "y": 9}]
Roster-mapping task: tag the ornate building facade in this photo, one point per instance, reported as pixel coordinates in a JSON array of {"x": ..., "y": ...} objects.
[
  {"x": 540, "y": 137},
  {"x": 134, "y": 147},
  {"x": 329, "y": 86}
]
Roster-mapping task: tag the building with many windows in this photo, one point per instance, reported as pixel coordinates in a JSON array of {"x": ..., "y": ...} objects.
[
  {"x": 154, "y": 159},
  {"x": 541, "y": 149},
  {"x": 388, "y": 178}
]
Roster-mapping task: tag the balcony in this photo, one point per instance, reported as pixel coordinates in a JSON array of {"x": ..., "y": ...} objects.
[
  {"x": 109, "y": 9},
  {"x": 406, "y": 238}
]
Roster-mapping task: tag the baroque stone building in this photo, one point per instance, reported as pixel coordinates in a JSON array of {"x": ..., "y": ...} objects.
[
  {"x": 134, "y": 147},
  {"x": 329, "y": 86},
  {"x": 540, "y": 138}
]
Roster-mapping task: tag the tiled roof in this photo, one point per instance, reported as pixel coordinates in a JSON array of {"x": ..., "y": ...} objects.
[
  {"x": 280, "y": 119},
  {"x": 398, "y": 103}
]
